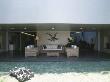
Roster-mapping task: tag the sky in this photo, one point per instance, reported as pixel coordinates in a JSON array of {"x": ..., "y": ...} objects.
[{"x": 55, "y": 11}]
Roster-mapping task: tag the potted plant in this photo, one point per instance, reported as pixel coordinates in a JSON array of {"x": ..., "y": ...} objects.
[{"x": 71, "y": 42}]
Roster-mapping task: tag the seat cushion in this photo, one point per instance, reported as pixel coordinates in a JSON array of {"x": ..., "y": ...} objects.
[{"x": 52, "y": 46}]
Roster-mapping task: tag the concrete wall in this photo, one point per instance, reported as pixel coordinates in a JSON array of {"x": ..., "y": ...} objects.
[
  {"x": 62, "y": 37},
  {"x": 104, "y": 38},
  {"x": 101, "y": 41},
  {"x": 3, "y": 41},
  {"x": 55, "y": 11}
]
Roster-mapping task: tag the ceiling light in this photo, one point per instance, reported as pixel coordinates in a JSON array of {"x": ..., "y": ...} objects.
[
  {"x": 12, "y": 28},
  {"x": 81, "y": 28},
  {"x": 32, "y": 35},
  {"x": 94, "y": 28},
  {"x": 26, "y": 33},
  {"x": 25, "y": 28},
  {"x": 53, "y": 28},
  {"x": 22, "y": 32},
  {"x": 77, "y": 32}
]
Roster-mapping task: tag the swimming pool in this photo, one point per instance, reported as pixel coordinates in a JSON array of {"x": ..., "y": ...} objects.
[{"x": 62, "y": 70}]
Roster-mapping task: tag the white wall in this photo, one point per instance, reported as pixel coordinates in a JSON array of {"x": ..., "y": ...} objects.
[
  {"x": 62, "y": 37},
  {"x": 55, "y": 11}
]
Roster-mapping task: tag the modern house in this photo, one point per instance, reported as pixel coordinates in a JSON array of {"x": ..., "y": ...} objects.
[{"x": 39, "y": 23}]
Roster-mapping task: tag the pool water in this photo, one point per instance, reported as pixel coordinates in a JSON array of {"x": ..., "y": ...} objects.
[{"x": 75, "y": 71}]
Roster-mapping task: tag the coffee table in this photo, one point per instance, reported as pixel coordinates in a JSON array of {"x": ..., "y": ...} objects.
[{"x": 53, "y": 52}]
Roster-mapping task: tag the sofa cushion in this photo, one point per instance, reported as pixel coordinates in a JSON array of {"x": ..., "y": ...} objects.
[
  {"x": 44, "y": 46},
  {"x": 51, "y": 46},
  {"x": 59, "y": 47}
]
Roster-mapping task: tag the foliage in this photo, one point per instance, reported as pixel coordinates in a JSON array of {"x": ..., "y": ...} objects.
[{"x": 71, "y": 41}]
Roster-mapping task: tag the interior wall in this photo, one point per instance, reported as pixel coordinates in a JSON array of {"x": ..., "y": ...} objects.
[
  {"x": 2, "y": 41},
  {"x": 101, "y": 41},
  {"x": 104, "y": 39},
  {"x": 62, "y": 37}
]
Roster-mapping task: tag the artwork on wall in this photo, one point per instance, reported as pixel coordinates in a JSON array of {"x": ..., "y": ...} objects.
[{"x": 52, "y": 36}]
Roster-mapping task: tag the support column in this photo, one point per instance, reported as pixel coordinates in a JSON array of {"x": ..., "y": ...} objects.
[
  {"x": 20, "y": 50},
  {"x": 7, "y": 41},
  {"x": 98, "y": 41}
]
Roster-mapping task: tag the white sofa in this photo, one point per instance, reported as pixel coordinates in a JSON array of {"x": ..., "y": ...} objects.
[{"x": 52, "y": 49}]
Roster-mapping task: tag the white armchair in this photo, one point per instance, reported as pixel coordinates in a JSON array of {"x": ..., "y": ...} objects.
[
  {"x": 31, "y": 52},
  {"x": 72, "y": 52}
]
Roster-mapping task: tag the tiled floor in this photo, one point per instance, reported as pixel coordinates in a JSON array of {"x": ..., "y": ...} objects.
[{"x": 83, "y": 56}]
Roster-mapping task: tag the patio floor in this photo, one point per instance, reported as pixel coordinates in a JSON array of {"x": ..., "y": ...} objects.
[{"x": 83, "y": 56}]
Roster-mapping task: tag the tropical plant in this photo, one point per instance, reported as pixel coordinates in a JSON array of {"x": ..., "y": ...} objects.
[{"x": 71, "y": 41}]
